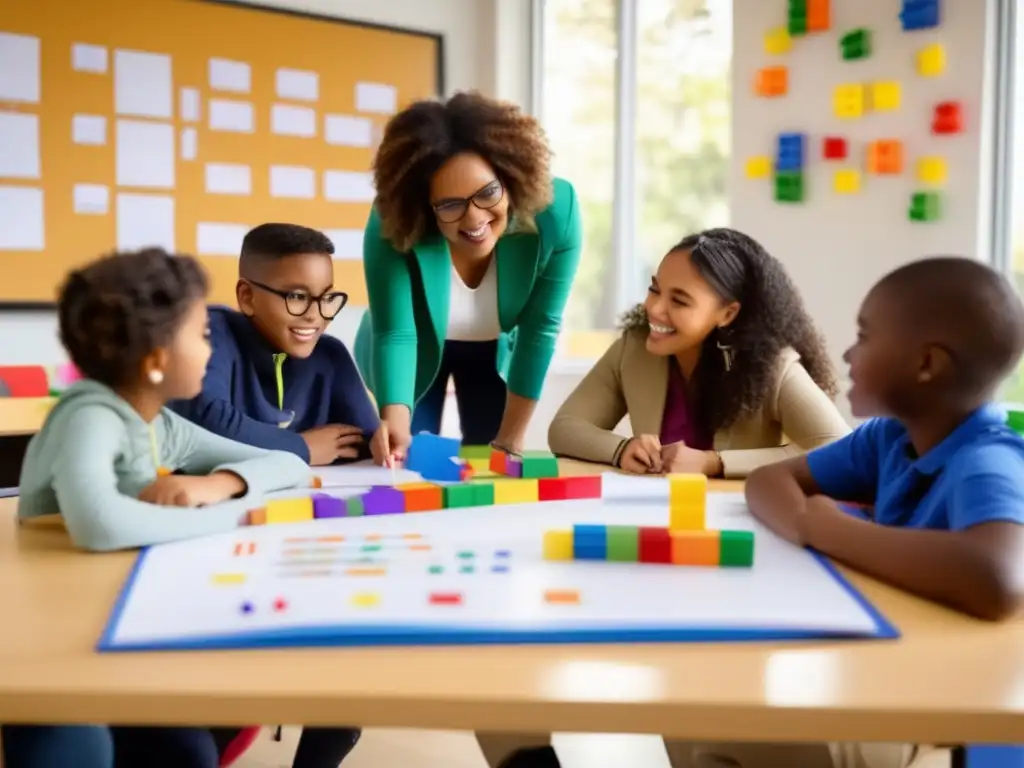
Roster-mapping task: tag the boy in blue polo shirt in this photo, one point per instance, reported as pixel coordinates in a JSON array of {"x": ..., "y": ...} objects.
[{"x": 275, "y": 380}]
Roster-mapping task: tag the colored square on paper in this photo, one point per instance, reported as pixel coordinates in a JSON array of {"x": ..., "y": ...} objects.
[
  {"x": 848, "y": 101},
  {"x": 759, "y": 167},
  {"x": 777, "y": 41},
  {"x": 886, "y": 96},
  {"x": 932, "y": 170},
  {"x": 846, "y": 181},
  {"x": 931, "y": 60},
  {"x": 834, "y": 148},
  {"x": 365, "y": 599}
]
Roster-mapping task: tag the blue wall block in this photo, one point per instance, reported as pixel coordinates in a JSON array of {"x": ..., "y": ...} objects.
[
  {"x": 919, "y": 14},
  {"x": 791, "y": 152}
]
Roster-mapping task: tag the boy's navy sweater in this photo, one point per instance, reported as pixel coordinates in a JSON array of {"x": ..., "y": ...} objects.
[{"x": 239, "y": 397}]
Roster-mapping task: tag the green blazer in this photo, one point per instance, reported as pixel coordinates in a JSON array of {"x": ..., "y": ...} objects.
[{"x": 400, "y": 340}]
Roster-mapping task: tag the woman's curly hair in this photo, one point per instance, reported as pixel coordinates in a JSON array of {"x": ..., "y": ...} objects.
[
  {"x": 418, "y": 140},
  {"x": 115, "y": 311},
  {"x": 771, "y": 317}
]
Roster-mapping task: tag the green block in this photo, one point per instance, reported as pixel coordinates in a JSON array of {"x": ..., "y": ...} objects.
[
  {"x": 855, "y": 44},
  {"x": 537, "y": 464},
  {"x": 474, "y": 451},
  {"x": 789, "y": 186},
  {"x": 1015, "y": 421},
  {"x": 623, "y": 543},
  {"x": 925, "y": 206},
  {"x": 797, "y": 19},
  {"x": 354, "y": 507},
  {"x": 435, "y": 570},
  {"x": 737, "y": 548},
  {"x": 461, "y": 495},
  {"x": 484, "y": 493}
]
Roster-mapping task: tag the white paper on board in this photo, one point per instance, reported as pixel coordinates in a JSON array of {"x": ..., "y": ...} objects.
[
  {"x": 189, "y": 143},
  {"x": 19, "y": 145},
  {"x": 292, "y": 181},
  {"x": 89, "y": 129},
  {"x": 143, "y": 85},
  {"x": 145, "y": 154},
  {"x": 145, "y": 221},
  {"x": 348, "y": 187},
  {"x": 188, "y": 104},
  {"x": 634, "y": 488},
  {"x": 89, "y": 58},
  {"x": 363, "y": 474},
  {"x": 348, "y": 130},
  {"x": 348, "y": 243},
  {"x": 376, "y": 97},
  {"x": 228, "y": 75},
  {"x": 92, "y": 199},
  {"x": 287, "y": 120},
  {"x": 21, "y": 219},
  {"x": 228, "y": 179},
  {"x": 218, "y": 239},
  {"x": 19, "y": 68},
  {"x": 230, "y": 115},
  {"x": 297, "y": 84}
]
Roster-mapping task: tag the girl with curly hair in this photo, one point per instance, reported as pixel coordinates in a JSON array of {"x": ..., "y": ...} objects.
[
  {"x": 469, "y": 255},
  {"x": 720, "y": 370}
]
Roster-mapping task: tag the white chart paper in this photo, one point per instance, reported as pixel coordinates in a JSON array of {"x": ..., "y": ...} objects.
[
  {"x": 364, "y": 474},
  {"x": 297, "y": 84},
  {"x": 219, "y": 239},
  {"x": 144, "y": 221},
  {"x": 228, "y": 75},
  {"x": 89, "y": 58},
  {"x": 188, "y": 105},
  {"x": 92, "y": 199},
  {"x": 292, "y": 181},
  {"x": 89, "y": 129},
  {"x": 19, "y": 68},
  {"x": 145, "y": 154},
  {"x": 348, "y": 187},
  {"x": 348, "y": 243},
  {"x": 287, "y": 120},
  {"x": 189, "y": 143},
  {"x": 19, "y": 145},
  {"x": 21, "y": 219},
  {"x": 143, "y": 85},
  {"x": 231, "y": 115},
  {"x": 376, "y": 97},
  {"x": 228, "y": 179},
  {"x": 348, "y": 130}
]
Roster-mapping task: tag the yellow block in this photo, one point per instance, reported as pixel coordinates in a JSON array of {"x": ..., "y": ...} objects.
[
  {"x": 931, "y": 170},
  {"x": 229, "y": 578},
  {"x": 365, "y": 599},
  {"x": 759, "y": 167},
  {"x": 886, "y": 96},
  {"x": 289, "y": 510},
  {"x": 515, "y": 491},
  {"x": 777, "y": 41},
  {"x": 848, "y": 101},
  {"x": 687, "y": 498},
  {"x": 846, "y": 181},
  {"x": 558, "y": 545},
  {"x": 931, "y": 60},
  {"x": 481, "y": 468}
]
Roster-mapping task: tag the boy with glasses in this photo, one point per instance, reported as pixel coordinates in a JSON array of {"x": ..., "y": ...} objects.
[{"x": 274, "y": 379}]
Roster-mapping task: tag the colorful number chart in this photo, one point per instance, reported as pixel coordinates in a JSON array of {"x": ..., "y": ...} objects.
[{"x": 479, "y": 574}]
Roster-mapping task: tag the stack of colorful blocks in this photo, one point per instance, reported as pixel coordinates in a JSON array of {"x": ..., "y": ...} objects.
[{"x": 686, "y": 540}]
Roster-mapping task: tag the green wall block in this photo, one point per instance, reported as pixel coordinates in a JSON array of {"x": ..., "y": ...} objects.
[
  {"x": 855, "y": 44},
  {"x": 537, "y": 464},
  {"x": 354, "y": 506},
  {"x": 789, "y": 186},
  {"x": 737, "y": 548},
  {"x": 925, "y": 206},
  {"x": 461, "y": 495},
  {"x": 623, "y": 543},
  {"x": 474, "y": 452},
  {"x": 797, "y": 17}
]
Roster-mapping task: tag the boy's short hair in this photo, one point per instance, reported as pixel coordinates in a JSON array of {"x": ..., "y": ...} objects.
[
  {"x": 268, "y": 242},
  {"x": 967, "y": 306}
]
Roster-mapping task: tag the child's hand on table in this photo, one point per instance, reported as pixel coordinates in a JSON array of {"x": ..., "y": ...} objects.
[
  {"x": 389, "y": 444},
  {"x": 185, "y": 491},
  {"x": 331, "y": 442},
  {"x": 642, "y": 455}
]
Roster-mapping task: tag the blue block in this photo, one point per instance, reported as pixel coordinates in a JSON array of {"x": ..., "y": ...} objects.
[
  {"x": 919, "y": 14},
  {"x": 791, "y": 152},
  {"x": 435, "y": 458},
  {"x": 589, "y": 542}
]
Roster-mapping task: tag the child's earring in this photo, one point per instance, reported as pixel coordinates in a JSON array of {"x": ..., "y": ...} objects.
[{"x": 156, "y": 377}]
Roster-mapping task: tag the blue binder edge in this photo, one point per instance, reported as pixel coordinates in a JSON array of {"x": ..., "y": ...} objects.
[{"x": 414, "y": 635}]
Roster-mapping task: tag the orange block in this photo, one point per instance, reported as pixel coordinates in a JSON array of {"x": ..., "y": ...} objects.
[
  {"x": 818, "y": 15},
  {"x": 885, "y": 156},
  {"x": 696, "y": 547},
  {"x": 422, "y": 497},
  {"x": 772, "y": 81},
  {"x": 498, "y": 462},
  {"x": 258, "y": 516}
]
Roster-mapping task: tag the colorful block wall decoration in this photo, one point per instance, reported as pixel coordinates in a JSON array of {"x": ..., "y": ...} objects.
[
  {"x": 855, "y": 44},
  {"x": 771, "y": 82},
  {"x": 948, "y": 118},
  {"x": 932, "y": 170},
  {"x": 919, "y": 14},
  {"x": 848, "y": 101},
  {"x": 759, "y": 167},
  {"x": 886, "y": 96},
  {"x": 834, "y": 148},
  {"x": 777, "y": 41},
  {"x": 791, "y": 152},
  {"x": 846, "y": 181},
  {"x": 797, "y": 16},
  {"x": 789, "y": 186},
  {"x": 885, "y": 157},
  {"x": 819, "y": 16},
  {"x": 925, "y": 206},
  {"x": 931, "y": 60}
]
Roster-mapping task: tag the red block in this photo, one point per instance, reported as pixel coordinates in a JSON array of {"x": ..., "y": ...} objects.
[
  {"x": 24, "y": 381},
  {"x": 948, "y": 118},
  {"x": 655, "y": 545},
  {"x": 499, "y": 462},
  {"x": 446, "y": 598},
  {"x": 834, "y": 148},
  {"x": 562, "y": 488}
]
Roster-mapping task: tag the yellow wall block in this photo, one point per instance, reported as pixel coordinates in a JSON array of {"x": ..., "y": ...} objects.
[
  {"x": 846, "y": 181},
  {"x": 759, "y": 167},
  {"x": 289, "y": 510},
  {"x": 515, "y": 491},
  {"x": 777, "y": 41},
  {"x": 886, "y": 96},
  {"x": 931, "y": 60},
  {"x": 848, "y": 101},
  {"x": 558, "y": 545},
  {"x": 931, "y": 170}
]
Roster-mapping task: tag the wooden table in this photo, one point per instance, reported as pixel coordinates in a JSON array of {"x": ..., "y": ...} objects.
[
  {"x": 949, "y": 679},
  {"x": 20, "y": 418}
]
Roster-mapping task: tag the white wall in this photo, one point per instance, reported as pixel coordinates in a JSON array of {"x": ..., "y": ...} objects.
[{"x": 836, "y": 246}]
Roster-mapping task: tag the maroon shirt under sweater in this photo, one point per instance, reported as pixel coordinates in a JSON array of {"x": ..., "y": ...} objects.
[{"x": 677, "y": 422}]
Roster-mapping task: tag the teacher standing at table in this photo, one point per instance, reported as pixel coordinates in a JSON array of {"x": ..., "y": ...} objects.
[{"x": 469, "y": 255}]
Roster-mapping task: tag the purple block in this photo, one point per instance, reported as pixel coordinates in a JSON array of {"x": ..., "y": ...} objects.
[
  {"x": 327, "y": 506},
  {"x": 383, "y": 500},
  {"x": 513, "y": 466}
]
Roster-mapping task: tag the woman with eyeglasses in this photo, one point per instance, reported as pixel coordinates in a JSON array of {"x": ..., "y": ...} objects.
[{"x": 469, "y": 255}]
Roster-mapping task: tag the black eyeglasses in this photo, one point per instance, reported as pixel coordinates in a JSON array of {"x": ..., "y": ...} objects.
[
  {"x": 452, "y": 209},
  {"x": 298, "y": 302}
]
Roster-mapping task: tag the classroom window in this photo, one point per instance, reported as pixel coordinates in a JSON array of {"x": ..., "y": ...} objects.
[{"x": 635, "y": 98}]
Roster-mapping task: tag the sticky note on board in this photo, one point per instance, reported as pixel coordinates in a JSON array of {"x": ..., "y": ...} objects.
[
  {"x": 848, "y": 101},
  {"x": 932, "y": 170},
  {"x": 886, "y": 96},
  {"x": 931, "y": 60},
  {"x": 759, "y": 167},
  {"x": 846, "y": 181},
  {"x": 777, "y": 41}
]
